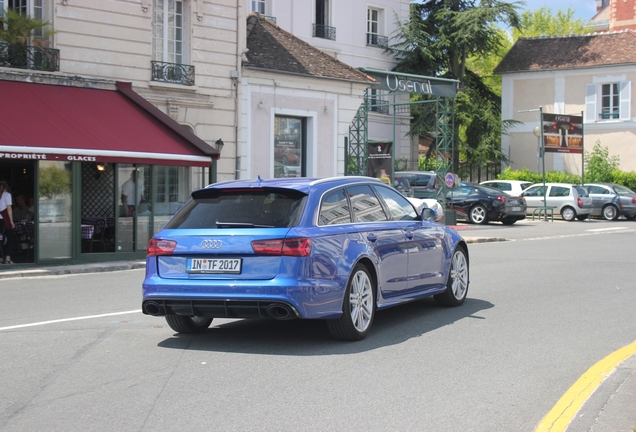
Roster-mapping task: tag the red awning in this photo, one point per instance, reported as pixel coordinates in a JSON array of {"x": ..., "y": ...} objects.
[{"x": 54, "y": 122}]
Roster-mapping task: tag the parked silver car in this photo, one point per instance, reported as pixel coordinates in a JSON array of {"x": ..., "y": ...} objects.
[
  {"x": 611, "y": 200},
  {"x": 570, "y": 201}
]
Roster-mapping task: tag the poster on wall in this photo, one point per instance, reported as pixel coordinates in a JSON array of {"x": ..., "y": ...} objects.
[
  {"x": 380, "y": 161},
  {"x": 562, "y": 133}
]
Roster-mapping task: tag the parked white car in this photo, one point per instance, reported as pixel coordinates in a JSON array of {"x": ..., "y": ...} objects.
[
  {"x": 510, "y": 187},
  {"x": 570, "y": 201}
]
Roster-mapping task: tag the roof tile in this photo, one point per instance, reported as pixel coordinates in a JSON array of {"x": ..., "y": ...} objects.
[
  {"x": 273, "y": 48},
  {"x": 569, "y": 52}
]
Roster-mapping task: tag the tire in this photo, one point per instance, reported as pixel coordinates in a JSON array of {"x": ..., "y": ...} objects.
[
  {"x": 358, "y": 308},
  {"x": 631, "y": 218},
  {"x": 188, "y": 325},
  {"x": 457, "y": 283},
  {"x": 582, "y": 217},
  {"x": 568, "y": 214},
  {"x": 508, "y": 221},
  {"x": 478, "y": 215},
  {"x": 610, "y": 212}
]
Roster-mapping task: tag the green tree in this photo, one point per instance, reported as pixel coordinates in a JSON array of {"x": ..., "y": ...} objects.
[
  {"x": 541, "y": 22},
  {"x": 599, "y": 165},
  {"x": 438, "y": 40},
  {"x": 54, "y": 182}
]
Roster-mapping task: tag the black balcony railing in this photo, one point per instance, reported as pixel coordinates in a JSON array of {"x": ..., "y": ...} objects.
[
  {"x": 29, "y": 57},
  {"x": 325, "y": 32},
  {"x": 376, "y": 40},
  {"x": 173, "y": 73}
]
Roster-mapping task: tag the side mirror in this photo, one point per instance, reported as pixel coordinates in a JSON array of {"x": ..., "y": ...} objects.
[{"x": 428, "y": 214}]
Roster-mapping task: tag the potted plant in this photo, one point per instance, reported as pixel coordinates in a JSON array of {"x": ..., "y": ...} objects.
[{"x": 17, "y": 31}]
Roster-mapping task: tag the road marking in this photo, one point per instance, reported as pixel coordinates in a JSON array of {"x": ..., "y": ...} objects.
[
  {"x": 69, "y": 319},
  {"x": 560, "y": 416},
  {"x": 607, "y": 229}
]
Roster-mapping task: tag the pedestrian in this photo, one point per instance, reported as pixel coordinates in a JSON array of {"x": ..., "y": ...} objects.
[
  {"x": 6, "y": 221},
  {"x": 131, "y": 194}
]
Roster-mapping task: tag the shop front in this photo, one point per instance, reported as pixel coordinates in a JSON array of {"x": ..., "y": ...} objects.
[{"x": 94, "y": 173}]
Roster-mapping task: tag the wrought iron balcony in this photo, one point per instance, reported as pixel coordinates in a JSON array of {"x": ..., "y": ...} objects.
[
  {"x": 376, "y": 40},
  {"x": 325, "y": 32},
  {"x": 173, "y": 73},
  {"x": 29, "y": 57}
]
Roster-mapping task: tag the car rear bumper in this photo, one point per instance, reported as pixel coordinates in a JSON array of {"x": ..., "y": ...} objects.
[{"x": 246, "y": 299}]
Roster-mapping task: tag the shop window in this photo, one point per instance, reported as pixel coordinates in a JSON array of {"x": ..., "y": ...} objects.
[
  {"x": 289, "y": 147},
  {"x": 172, "y": 189},
  {"x": 54, "y": 210}
]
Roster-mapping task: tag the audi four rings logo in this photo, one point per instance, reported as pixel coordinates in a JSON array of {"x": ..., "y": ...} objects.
[{"x": 211, "y": 244}]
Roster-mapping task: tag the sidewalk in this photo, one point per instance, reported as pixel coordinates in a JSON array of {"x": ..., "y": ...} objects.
[{"x": 70, "y": 269}]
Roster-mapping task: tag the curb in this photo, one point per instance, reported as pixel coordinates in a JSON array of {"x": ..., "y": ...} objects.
[{"x": 74, "y": 269}]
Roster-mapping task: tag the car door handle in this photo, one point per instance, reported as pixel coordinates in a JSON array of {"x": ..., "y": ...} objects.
[{"x": 372, "y": 237}]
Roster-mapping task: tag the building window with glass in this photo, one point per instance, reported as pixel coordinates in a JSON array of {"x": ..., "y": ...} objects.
[
  {"x": 610, "y": 104},
  {"x": 258, "y": 6},
  {"x": 374, "y": 28},
  {"x": 289, "y": 146},
  {"x": 608, "y": 101},
  {"x": 170, "y": 44}
]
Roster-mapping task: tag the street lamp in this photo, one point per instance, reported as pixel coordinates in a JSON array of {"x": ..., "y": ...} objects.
[
  {"x": 218, "y": 144},
  {"x": 537, "y": 132}
]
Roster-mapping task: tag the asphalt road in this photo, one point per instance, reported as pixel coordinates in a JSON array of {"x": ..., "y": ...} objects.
[{"x": 76, "y": 354}]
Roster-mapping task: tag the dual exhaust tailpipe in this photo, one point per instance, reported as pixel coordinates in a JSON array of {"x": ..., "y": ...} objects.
[{"x": 277, "y": 311}]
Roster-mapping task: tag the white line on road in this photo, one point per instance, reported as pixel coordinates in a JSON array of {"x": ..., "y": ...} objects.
[
  {"x": 607, "y": 229},
  {"x": 69, "y": 319}
]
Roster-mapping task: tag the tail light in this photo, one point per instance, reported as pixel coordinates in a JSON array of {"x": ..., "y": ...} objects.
[
  {"x": 502, "y": 199},
  {"x": 522, "y": 199},
  {"x": 161, "y": 247},
  {"x": 633, "y": 200},
  {"x": 579, "y": 202},
  {"x": 300, "y": 247}
]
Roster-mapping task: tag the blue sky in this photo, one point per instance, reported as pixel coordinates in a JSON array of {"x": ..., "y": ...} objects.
[{"x": 585, "y": 9}]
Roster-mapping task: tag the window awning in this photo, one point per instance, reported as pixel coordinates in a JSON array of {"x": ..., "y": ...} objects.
[{"x": 54, "y": 122}]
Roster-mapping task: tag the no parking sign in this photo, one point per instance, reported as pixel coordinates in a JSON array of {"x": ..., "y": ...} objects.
[{"x": 449, "y": 179}]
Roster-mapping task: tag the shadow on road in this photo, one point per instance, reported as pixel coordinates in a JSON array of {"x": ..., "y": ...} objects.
[{"x": 310, "y": 337}]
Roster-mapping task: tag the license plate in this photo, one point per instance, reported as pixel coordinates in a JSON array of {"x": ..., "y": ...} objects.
[
  {"x": 215, "y": 265},
  {"x": 516, "y": 209}
]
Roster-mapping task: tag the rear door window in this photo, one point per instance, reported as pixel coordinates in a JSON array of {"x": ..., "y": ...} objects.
[
  {"x": 334, "y": 209},
  {"x": 558, "y": 191},
  {"x": 240, "y": 208},
  {"x": 366, "y": 206}
]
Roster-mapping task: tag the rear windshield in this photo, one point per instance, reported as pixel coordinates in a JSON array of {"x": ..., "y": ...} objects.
[{"x": 240, "y": 208}]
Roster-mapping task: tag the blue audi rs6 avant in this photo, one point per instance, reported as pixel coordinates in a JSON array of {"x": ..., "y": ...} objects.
[{"x": 336, "y": 249}]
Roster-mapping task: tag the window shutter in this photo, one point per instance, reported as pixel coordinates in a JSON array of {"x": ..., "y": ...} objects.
[
  {"x": 590, "y": 103},
  {"x": 625, "y": 90}
]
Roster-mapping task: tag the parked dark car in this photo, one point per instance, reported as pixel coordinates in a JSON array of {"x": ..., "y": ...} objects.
[
  {"x": 612, "y": 200},
  {"x": 425, "y": 184},
  {"x": 335, "y": 249},
  {"x": 480, "y": 204}
]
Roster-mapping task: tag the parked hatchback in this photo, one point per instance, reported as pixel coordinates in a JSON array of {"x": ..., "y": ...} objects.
[
  {"x": 336, "y": 249},
  {"x": 611, "y": 200},
  {"x": 570, "y": 201},
  {"x": 425, "y": 184}
]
